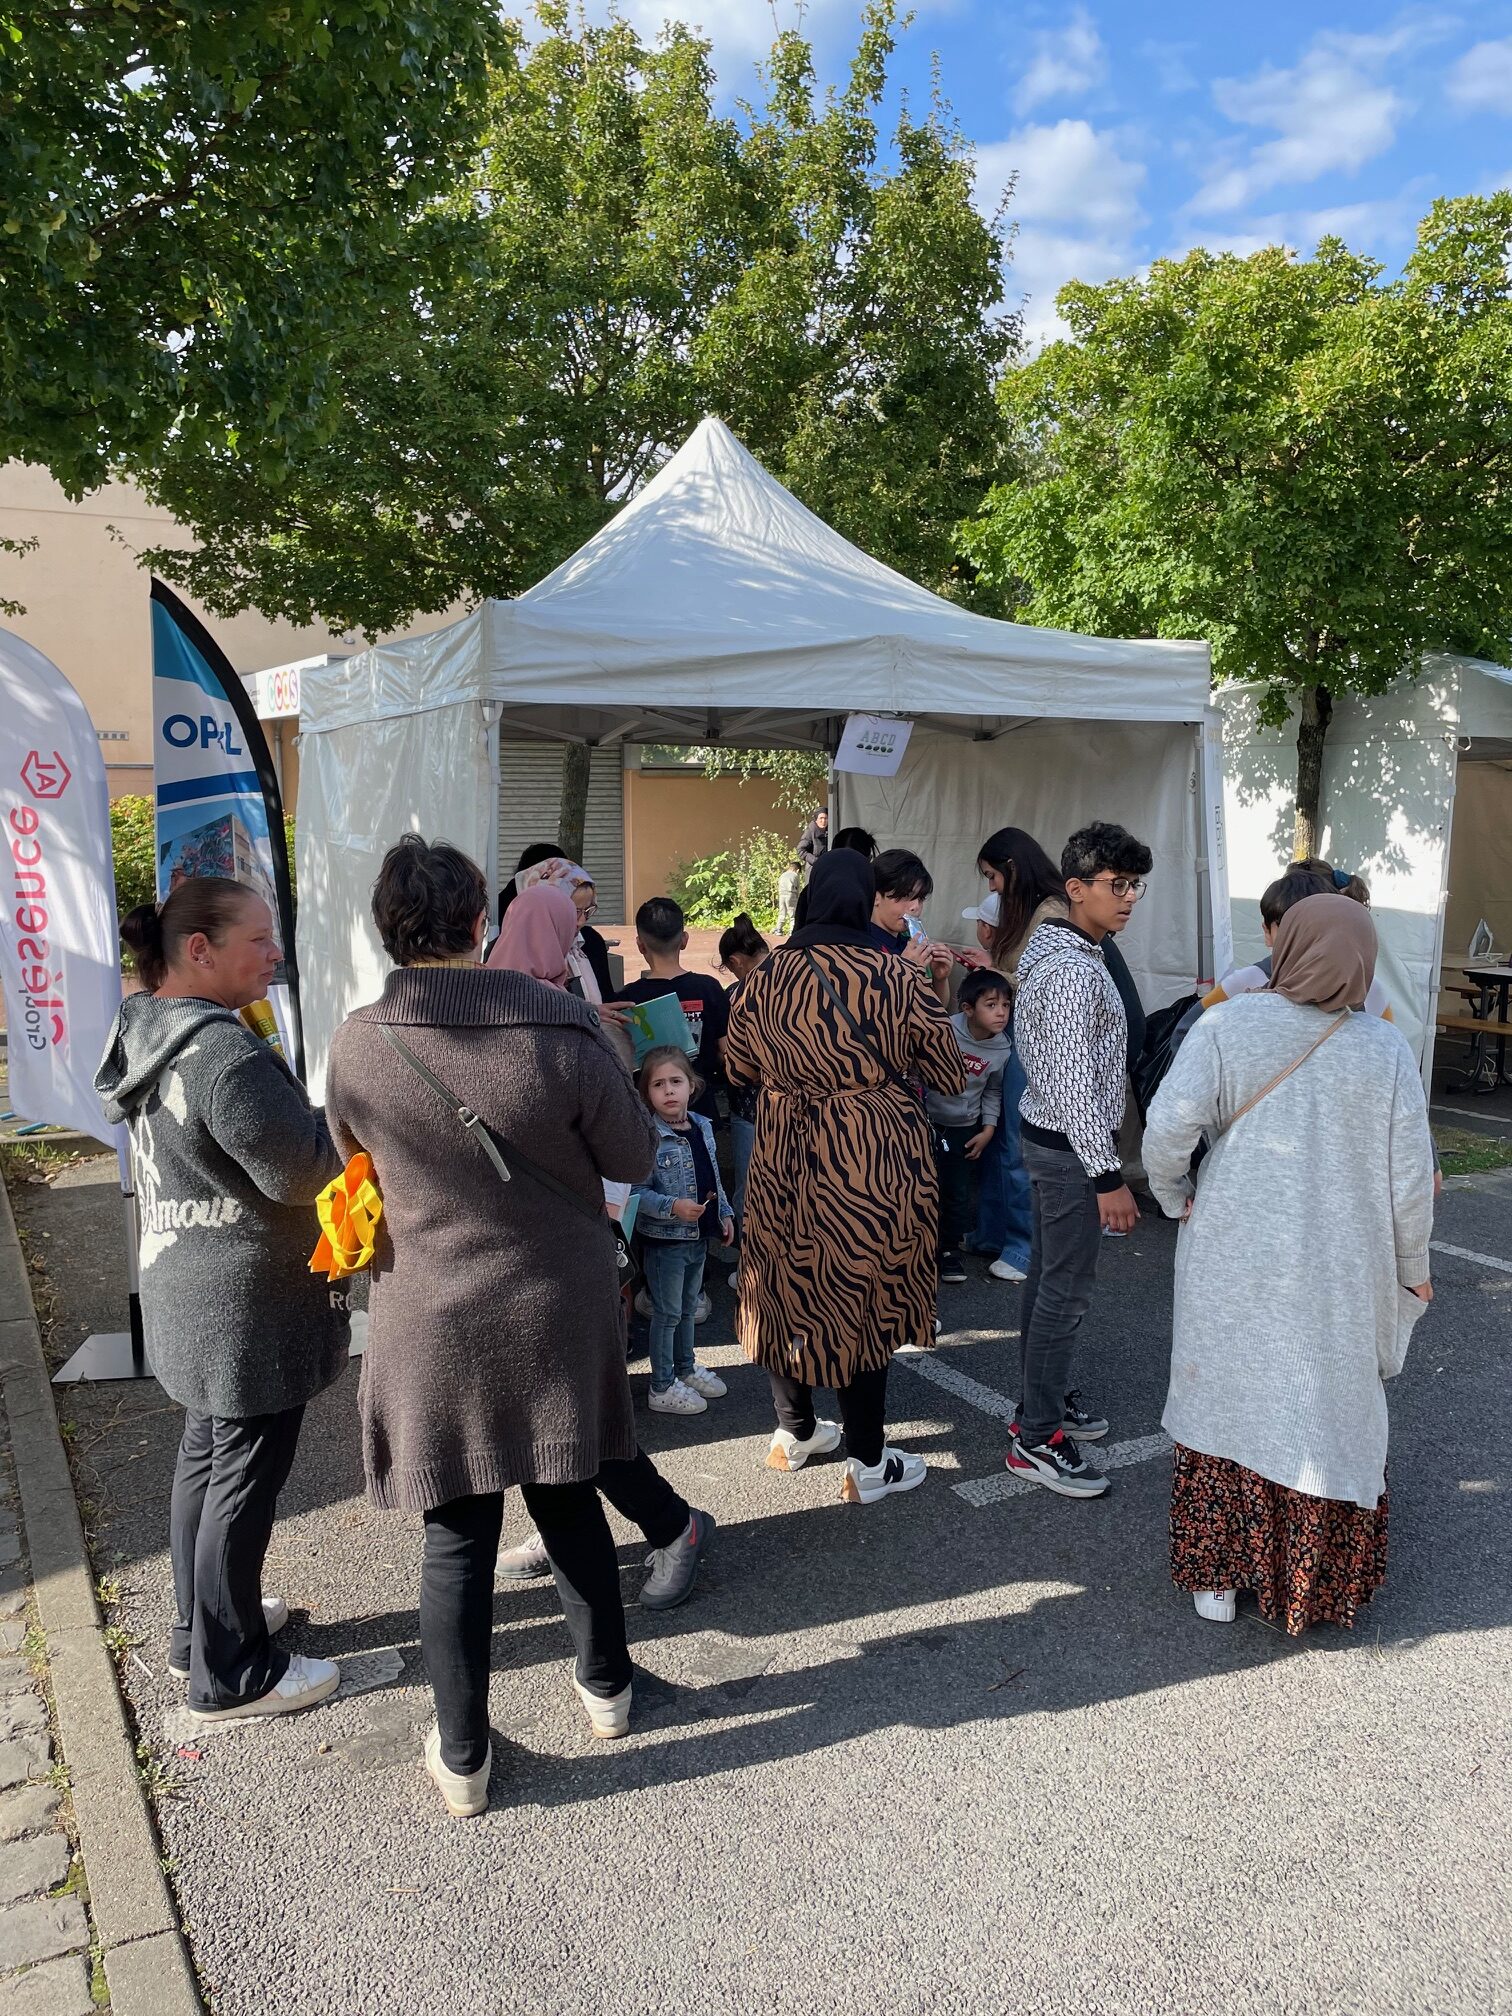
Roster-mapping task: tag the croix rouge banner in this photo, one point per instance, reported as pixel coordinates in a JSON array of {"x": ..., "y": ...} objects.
[{"x": 59, "y": 957}]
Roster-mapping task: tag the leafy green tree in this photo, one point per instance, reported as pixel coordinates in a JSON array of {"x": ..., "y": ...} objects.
[
  {"x": 133, "y": 844},
  {"x": 200, "y": 201},
  {"x": 621, "y": 260},
  {"x": 1307, "y": 466}
]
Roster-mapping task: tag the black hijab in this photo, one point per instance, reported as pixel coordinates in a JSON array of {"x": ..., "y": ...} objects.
[{"x": 840, "y": 895}]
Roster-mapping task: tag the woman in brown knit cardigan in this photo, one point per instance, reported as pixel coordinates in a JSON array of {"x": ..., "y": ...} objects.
[{"x": 495, "y": 1351}]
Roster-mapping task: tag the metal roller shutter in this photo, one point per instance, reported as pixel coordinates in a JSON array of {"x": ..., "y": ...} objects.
[{"x": 530, "y": 809}]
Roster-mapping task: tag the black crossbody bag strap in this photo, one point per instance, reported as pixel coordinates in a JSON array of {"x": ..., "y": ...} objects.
[
  {"x": 855, "y": 1028},
  {"x": 493, "y": 1145}
]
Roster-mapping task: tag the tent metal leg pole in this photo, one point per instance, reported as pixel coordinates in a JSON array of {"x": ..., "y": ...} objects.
[{"x": 115, "y": 1354}]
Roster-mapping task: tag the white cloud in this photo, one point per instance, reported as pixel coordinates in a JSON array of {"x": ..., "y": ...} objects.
[
  {"x": 1075, "y": 207},
  {"x": 1333, "y": 110},
  {"x": 1384, "y": 224},
  {"x": 1482, "y": 78},
  {"x": 1065, "y": 62}
]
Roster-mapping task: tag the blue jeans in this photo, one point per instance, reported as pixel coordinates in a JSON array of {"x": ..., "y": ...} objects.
[
  {"x": 1005, "y": 1213},
  {"x": 743, "y": 1141},
  {"x": 674, "y": 1270}
]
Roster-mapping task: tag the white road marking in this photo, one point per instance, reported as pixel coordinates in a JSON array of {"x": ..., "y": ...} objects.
[
  {"x": 1118, "y": 1456},
  {"x": 1480, "y": 1259},
  {"x": 1469, "y": 1113},
  {"x": 928, "y": 1366}
]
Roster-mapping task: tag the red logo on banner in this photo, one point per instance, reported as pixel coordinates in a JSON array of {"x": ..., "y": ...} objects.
[{"x": 45, "y": 776}]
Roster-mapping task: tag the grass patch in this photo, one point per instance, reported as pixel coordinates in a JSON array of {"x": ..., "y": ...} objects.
[{"x": 1466, "y": 1154}]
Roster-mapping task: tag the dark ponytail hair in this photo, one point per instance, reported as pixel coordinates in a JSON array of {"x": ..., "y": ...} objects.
[
  {"x": 154, "y": 934},
  {"x": 426, "y": 900},
  {"x": 1029, "y": 877},
  {"x": 742, "y": 938}
]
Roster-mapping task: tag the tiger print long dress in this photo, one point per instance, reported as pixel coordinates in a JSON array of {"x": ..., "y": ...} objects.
[{"x": 838, "y": 1260}]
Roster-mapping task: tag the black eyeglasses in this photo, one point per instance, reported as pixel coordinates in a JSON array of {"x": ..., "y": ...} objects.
[{"x": 1123, "y": 885}]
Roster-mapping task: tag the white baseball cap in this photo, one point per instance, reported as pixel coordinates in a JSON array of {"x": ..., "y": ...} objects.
[{"x": 985, "y": 912}]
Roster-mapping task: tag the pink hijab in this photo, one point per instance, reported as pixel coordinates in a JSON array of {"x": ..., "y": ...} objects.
[{"x": 538, "y": 934}]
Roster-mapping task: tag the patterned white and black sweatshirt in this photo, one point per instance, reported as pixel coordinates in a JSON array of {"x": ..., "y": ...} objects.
[{"x": 1071, "y": 1034}]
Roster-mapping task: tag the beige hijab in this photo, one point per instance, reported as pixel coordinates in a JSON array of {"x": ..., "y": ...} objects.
[{"x": 1325, "y": 954}]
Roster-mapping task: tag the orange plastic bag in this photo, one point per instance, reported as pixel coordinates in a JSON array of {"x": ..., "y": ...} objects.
[{"x": 349, "y": 1210}]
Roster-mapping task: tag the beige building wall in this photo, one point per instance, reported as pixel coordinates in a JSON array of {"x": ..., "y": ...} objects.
[
  {"x": 86, "y": 608},
  {"x": 673, "y": 816}
]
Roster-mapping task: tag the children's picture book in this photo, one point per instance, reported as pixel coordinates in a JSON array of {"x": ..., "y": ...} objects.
[{"x": 654, "y": 1025}]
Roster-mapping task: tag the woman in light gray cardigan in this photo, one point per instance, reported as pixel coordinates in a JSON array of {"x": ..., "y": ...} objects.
[{"x": 1317, "y": 1116}]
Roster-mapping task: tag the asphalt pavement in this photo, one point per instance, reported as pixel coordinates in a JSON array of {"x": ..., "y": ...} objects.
[{"x": 957, "y": 1751}]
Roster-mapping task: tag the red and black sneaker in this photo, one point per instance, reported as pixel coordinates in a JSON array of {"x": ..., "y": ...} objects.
[{"x": 1057, "y": 1464}]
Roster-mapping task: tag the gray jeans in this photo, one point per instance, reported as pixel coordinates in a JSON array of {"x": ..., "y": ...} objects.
[{"x": 1064, "y": 1245}]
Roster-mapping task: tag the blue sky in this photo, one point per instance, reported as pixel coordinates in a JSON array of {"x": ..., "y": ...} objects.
[{"x": 1139, "y": 131}]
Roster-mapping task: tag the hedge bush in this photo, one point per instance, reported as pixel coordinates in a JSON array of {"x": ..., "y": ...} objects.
[{"x": 715, "y": 888}]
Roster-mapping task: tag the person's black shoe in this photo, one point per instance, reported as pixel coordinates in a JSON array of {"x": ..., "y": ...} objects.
[
  {"x": 1075, "y": 1420},
  {"x": 951, "y": 1268},
  {"x": 1081, "y": 1422}
]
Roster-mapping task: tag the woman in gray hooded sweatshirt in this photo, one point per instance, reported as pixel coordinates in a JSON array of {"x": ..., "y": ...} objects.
[{"x": 229, "y": 1158}]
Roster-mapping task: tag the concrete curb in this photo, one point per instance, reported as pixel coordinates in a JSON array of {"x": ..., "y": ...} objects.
[{"x": 146, "y": 1964}]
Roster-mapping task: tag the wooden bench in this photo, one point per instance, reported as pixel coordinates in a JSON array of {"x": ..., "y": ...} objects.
[{"x": 1475, "y": 1025}]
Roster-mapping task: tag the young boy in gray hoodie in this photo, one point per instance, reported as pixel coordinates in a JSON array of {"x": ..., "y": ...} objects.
[{"x": 965, "y": 1122}]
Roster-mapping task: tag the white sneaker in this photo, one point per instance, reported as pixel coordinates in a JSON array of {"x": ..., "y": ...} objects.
[
  {"x": 609, "y": 1719},
  {"x": 1219, "y": 1606},
  {"x": 306, "y": 1682},
  {"x": 791, "y": 1452},
  {"x": 704, "y": 1309},
  {"x": 465, "y": 1792},
  {"x": 275, "y": 1615},
  {"x": 1004, "y": 1270},
  {"x": 702, "y": 1380},
  {"x": 899, "y": 1470},
  {"x": 679, "y": 1398}
]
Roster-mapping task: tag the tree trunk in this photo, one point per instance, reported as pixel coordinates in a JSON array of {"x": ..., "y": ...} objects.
[
  {"x": 1312, "y": 732},
  {"x": 576, "y": 757}
]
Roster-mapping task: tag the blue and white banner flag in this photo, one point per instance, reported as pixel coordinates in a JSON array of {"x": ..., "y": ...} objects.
[{"x": 218, "y": 805}]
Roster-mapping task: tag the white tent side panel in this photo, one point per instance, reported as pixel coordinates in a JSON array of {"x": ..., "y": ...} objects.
[
  {"x": 360, "y": 788},
  {"x": 1050, "y": 778},
  {"x": 1388, "y": 798}
]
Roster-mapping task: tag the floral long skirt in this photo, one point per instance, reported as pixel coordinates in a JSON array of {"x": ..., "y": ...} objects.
[{"x": 1308, "y": 1560}]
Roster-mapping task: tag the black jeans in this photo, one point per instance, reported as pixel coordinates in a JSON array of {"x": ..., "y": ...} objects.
[
  {"x": 863, "y": 1412},
  {"x": 1064, "y": 1246},
  {"x": 225, "y": 1492},
  {"x": 957, "y": 1185},
  {"x": 457, "y": 1597},
  {"x": 638, "y": 1492}
]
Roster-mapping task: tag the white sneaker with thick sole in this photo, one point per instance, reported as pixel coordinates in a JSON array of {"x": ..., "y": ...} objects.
[
  {"x": 609, "y": 1719},
  {"x": 275, "y": 1615},
  {"x": 1219, "y": 1606},
  {"x": 1004, "y": 1270},
  {"x": 306, "y": 1682},
  {"x": 679, "y": 1398},
  {"x": 791, "y": 1452},
  {"x": 704, "y": 1308},
  {"x": 702, "y": 1380},
  {"x": 899, "y": 1470},
  {"x": 465, "y": 1792}
]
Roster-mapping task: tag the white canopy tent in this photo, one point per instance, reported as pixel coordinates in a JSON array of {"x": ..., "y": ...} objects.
[
  {"x": 716, "y": 609},
  {"x": 1417, "y": 798}
]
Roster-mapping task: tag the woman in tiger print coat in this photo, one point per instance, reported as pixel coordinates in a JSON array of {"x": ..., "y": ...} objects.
[{"x": 838, "y": 1258}]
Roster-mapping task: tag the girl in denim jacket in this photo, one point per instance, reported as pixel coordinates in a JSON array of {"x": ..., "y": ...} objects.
[{"x": 681, "y": 1209}]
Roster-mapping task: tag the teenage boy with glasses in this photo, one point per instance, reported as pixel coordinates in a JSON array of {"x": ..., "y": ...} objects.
[{"x": 1071, "y": 1032}]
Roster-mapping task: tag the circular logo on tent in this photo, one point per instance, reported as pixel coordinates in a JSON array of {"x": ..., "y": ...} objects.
[{"x": 45, "y": 776}]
